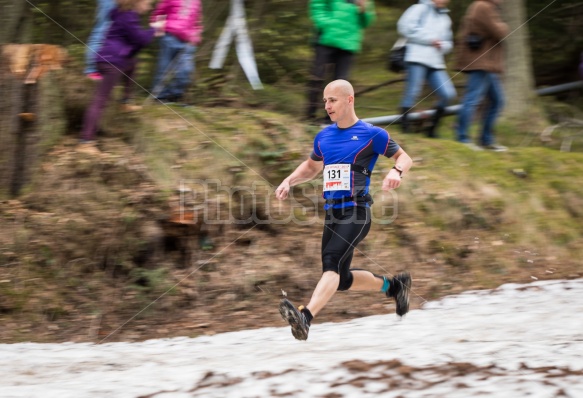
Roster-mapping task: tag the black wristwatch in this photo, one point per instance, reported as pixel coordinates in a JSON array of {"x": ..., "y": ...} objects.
[{"x": 399, "y": 169}]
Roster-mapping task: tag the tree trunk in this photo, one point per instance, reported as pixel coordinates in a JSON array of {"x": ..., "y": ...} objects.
[
  {"x": 15, "y": 21},
  {"x": 519, "y": 77},
  {"x": 31, "y": 106},
  {"x": 15, "y": 27}
]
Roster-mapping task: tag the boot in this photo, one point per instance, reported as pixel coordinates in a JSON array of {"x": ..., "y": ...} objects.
[
  {"x": 129, "y": 108},
  {"x": 405, "y": 122},
  {"x": 88, "y": 148},
  {"x": 432, "y": 130}
]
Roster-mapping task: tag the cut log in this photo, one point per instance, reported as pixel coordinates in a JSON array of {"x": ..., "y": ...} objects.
[{"x": 33, "y": 60}]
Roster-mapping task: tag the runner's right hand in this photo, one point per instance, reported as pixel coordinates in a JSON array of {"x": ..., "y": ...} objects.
[{"x": 282, "y": 191}]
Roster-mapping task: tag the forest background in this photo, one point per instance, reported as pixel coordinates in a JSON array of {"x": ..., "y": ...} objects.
[{"x": 91, "y": 249}]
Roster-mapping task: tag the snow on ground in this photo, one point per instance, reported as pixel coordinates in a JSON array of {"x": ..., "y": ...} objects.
[{"x": 514, "y": 341}]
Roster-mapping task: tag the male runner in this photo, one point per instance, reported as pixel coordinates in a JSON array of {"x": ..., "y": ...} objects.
[{"x": 346, "y": 151}]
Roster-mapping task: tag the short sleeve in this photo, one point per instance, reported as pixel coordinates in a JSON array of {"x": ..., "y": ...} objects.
[
  {"x": 379, "y": 140},
  {"x": 315, "y": 157},
  {"x": 392, "y": 148},
  {"x": 317, "y": 153},
  {"x": 383, "y": 144}
]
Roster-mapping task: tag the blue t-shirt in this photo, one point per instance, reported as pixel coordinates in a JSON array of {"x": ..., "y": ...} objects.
[{"x": 360, "y": 144}]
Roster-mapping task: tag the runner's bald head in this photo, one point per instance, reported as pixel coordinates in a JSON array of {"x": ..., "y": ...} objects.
[{"x": 340, "y": 86}]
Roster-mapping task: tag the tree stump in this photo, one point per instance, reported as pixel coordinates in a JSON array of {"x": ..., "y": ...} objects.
[{"x": 30, "y": 108}]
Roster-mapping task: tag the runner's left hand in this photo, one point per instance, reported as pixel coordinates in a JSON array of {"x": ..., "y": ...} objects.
[{"x": 392, "y": 180}]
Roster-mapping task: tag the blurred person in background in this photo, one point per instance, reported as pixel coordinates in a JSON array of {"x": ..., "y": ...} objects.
[
  {"x": 116, "y": 60},
  {"x": 427, "y": 28},
  {"x": 581, "y": 67},
  {"x": 183, "y": 33},
  {"x": 97, "y": 36},
  {"x": 480, "y": 55},
  {"x": 339, "y": 31},
  {"x": 346, "y": 153}
]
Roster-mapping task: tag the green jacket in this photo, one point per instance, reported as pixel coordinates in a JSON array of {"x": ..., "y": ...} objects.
[{"x": 340, "y": 24}]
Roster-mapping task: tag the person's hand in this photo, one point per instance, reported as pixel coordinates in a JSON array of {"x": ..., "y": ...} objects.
[
  {"x": 159, "y": 26},
  {"x": 436, "y": 44},
  {"x": 392, "y": 180},
  {"x": 282, "y": 191}
]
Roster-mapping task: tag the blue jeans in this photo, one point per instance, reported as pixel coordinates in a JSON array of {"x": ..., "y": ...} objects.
[
  {"x": 480, "y": 84},
  {"x": 97, "y": 36},
  {"x": 175, "y": 67},
  {"x": 437, "y": 79}
]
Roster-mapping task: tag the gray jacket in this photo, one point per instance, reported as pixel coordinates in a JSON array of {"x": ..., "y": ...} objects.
[{"x": 421, "y": 24}]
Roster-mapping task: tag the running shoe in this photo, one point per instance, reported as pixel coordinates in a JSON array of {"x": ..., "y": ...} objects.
[
  {"x": 399, "y": 290},
  {"x": 297, "y": 320},
  {"x": 495, "y": 148},
  {"x": 96, "y": 76}
]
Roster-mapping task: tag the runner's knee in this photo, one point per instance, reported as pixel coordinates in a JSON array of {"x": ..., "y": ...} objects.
[
  {"x": 345, "y": 281},
  {"x": 345, "y": 275}
]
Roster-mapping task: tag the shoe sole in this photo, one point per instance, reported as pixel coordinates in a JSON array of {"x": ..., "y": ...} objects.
[
  {"x": 291, "y": 315},
  {"x": 402, "y": 299}
]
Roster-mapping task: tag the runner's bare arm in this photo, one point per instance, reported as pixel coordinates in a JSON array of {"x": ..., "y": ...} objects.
[
  {"x": 403, "y": 163},
  {"x": 306, "y": 171}
]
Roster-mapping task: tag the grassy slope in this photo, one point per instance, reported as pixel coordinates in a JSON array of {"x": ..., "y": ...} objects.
[
  {"x": 80, "y": 252},
  {"x": 464, "y": 220}
]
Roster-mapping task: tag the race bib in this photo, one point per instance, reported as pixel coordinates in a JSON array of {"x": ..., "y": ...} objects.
[{"x": 337, "y": 177}]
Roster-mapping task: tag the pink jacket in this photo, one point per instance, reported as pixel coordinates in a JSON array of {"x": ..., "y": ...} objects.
[{"x": 183, "y": 18}]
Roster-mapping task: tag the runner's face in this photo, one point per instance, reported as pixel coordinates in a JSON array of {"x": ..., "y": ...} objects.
[{"x": 336, "y": 104}]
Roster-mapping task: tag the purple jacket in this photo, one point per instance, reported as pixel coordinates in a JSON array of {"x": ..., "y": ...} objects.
[
  {"x": 124, "y": 39},
  {"x": 183, "y": 18}
]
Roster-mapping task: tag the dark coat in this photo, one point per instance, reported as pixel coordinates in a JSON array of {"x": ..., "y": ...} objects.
[{"x": 482, "y": 18}]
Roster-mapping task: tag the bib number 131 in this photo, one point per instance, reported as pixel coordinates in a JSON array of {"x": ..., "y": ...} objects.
[{"x": 337, "y": 177}]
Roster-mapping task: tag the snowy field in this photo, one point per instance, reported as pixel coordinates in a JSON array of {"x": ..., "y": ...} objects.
[{"x": 514, "y": 341}]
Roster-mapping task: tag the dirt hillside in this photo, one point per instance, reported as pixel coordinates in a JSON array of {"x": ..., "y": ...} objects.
[{"x": 174, "y": 231}]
